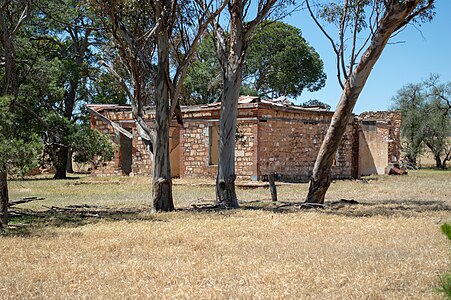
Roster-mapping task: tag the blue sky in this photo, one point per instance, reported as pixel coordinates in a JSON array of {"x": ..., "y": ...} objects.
[{"x": 424, "y": 50}]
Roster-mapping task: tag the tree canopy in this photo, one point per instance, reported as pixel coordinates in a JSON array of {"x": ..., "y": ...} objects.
[
  {"x": 279, "y": 62},
  {"x": 426, "y": 115}
]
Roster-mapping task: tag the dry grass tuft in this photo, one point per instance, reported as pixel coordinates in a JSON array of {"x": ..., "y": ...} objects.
[{"x": 387, "y": 247}]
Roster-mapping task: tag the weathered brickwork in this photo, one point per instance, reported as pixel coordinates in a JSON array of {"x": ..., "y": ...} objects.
[
  {"x": 141, "y": 160},
  {"x": 290, "y": 141},
  {"x": 271, "y": 139},
  {"x": 196, "y": 145}
]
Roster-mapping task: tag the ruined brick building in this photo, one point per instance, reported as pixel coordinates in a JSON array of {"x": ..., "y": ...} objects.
[{"x": 272, "y": 137}]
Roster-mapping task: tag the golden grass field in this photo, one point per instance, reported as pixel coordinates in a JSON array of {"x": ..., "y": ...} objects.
[{"x": 389, "y": 246}]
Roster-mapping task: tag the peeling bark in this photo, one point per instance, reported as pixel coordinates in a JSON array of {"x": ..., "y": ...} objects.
[
  {"x": 162, "y": 182},
  {"x": 225, "y": 180}
]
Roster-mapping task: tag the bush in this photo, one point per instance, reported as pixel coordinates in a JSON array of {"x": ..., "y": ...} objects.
[
  {"x": 446, "y": 229},
  {"x": 445, "y": 285},
  {"x": 445, "y": 279}
]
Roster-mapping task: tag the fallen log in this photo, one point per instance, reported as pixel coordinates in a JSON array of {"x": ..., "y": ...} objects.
[{"x": 24, "y": 200}]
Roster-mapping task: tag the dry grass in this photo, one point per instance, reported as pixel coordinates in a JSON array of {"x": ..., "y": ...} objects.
[{"x": 395, "y": 252}]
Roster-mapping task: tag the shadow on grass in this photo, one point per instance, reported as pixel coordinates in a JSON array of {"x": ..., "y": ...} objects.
[
  {"x": 45, "y": 178},
  {"x": 350, "y": 208},
  {"x": 28, "y": 223}
]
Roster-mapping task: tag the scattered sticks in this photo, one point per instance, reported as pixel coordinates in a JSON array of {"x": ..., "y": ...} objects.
[{"x": 24, "y": 200}]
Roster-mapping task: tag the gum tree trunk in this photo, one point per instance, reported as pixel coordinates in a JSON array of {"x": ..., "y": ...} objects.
[
  {"x": 4, "y": 199},
  {"x": 231, "y": 56},
  {"x": 225, "y": 181},
  {"x": 390, "y": 22},
  {"x": 232, "y": 77},
  {"x": 161, "y": 177}
]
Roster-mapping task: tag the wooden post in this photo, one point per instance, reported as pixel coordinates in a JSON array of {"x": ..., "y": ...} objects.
[{"x": 272, "y": 187}]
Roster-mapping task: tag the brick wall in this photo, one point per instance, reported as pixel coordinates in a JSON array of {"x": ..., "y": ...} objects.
[
  {"x": 290, "y": 141},
  {"x": 380, "y": 141},
  {"x": 270, "y": 139},
  {"x": 141, "y": 159},
  {"x": 195, "y": 152}
]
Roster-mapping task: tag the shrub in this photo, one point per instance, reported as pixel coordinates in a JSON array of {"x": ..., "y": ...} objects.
[{"x": 445, "y": 279}]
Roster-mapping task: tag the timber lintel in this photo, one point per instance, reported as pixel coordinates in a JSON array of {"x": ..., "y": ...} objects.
[{"x": 115, "y": 126}]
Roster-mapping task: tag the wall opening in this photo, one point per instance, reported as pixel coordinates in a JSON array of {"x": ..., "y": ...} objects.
[
  {"x": 213, "y": 144},
  {"x": 125, "y": 154}
]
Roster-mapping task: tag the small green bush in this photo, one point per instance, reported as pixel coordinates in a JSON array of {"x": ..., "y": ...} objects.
[
  {"x": 446, "y": 229},
  {"x": 445, "y": 279},
  {"x": 445, "y": 285}
]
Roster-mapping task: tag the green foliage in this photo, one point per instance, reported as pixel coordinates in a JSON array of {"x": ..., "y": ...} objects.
[
  {"x": 315, "y": 102},
  {"x": 19, "y": 149},
  {"x": 410, "y": 100},
  {"x": 426, "y": 119},
  {"x": 445, "y": 279},
  {"x": 446, "y": 229},
  {"x": 87, "y": 143},
  {"x": 445, "y": 285},
  {"x": 203, "y": 81},
  {"x": 280, "y": 62},
  {"x": 107, "y": 90}
]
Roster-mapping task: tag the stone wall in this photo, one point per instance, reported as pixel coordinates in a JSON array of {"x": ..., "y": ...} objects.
[
  {"x": 379, "y": 141},
  {"x": 271, "y": 139},
  {"x": 289, "y": 142},
  {"x": 195, "y": 152},
  {"x": 141, "y": 160}
]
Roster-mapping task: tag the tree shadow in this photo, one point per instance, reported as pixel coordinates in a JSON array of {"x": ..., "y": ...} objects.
[
  {"x": 25, "y": 223},
  {"x": 343, "y": 207},
  {"x": 49, "y": 178}
]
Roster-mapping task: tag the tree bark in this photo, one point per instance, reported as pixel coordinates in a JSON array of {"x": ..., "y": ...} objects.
[
  {"x": 4, "y": 199},
  {"x": 61, "y": 162},
  {"x": 225, "y": 181},
  {"x": 162, "y": 182},
  {"x": 232, "y": 65},
  {"x": 70, "y": 166},
  {"x": 438, "y": 163},
  {"x": 390, "y": 22}
]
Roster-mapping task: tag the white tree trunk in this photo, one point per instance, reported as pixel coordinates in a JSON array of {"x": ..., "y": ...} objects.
[
  {"x": 225, "y": 181},
  {"x": 161, "y": 177}
]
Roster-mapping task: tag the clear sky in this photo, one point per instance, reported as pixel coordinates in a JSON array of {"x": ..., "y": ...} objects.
[{"x": 424, "y": 50}]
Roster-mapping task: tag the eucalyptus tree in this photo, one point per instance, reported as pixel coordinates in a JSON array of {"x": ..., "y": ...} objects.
[
  {"x": 279, "y": 62},
  {"x": 155, "y": 42},
  {"x": 19, "y": 150},
  {"x": 356, "y": 55},
  {"x": 231, "y": 46},
  {"x": 438, "y": 131}
]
